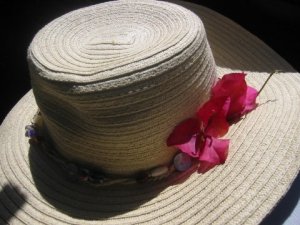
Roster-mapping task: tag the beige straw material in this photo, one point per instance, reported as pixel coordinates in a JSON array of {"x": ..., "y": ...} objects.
[
  {"x": 125, "y": 72},
  {"x": 262, "y": 163}
]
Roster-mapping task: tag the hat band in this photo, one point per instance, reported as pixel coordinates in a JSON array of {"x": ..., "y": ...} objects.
[{"x": 37, "y": 134}]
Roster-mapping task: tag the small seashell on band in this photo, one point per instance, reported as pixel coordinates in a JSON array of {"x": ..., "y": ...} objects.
[
  {"x": 182, "y": 162},
  {"x": 159, "y": 171}
]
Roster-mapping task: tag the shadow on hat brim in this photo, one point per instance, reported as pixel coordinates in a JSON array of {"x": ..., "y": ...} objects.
[
  {"x": 86, "y": 202},
  {"x": 285, "y": 207},
  {"x": 80, "y": 200},
  {"x": 10, "y": 190},
  {"x": 262, "y": 164}
]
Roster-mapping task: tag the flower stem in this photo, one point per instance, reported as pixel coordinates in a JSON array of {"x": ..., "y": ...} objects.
[{"x": 269, "y": 77}]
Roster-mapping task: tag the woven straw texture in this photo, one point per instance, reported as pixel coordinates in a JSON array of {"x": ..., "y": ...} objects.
[
  {"x": 125, "y": 72},
  {"x": 263, "y": 157}
]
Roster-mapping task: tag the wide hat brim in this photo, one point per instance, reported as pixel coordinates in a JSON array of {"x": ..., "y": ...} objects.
[{"x": 263, "y": 158}]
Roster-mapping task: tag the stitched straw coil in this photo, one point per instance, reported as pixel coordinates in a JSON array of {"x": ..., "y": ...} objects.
[
  {"x": 112, "y": 81},
  {"x": 262, "y": 163}
]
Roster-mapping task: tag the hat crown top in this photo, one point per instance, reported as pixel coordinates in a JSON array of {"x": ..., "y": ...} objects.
[{"x": 105, "y": 41}]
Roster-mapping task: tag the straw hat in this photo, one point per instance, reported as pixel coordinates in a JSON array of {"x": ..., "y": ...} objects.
[{"x": 111, "y": 82}]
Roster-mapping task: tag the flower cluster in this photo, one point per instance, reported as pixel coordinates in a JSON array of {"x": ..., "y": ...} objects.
[{"x": 199, "y": 136}]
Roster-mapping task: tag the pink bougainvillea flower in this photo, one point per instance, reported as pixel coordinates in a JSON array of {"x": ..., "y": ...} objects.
[
  {"x": 198, "y": 136},
  {"x": 211, "y": 152},
  {"x": 242, "y": 97},
  {"x": 210, "y": 121},
  {"x": 214, "y": 152}
]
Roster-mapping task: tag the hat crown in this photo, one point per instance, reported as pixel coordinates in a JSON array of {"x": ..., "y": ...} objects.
[{"x": 112, "y": 80}]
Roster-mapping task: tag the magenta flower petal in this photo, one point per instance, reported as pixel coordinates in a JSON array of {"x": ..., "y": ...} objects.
[
  {"x": 189, "y": 147},
  {"x": 213, "y": 115},
  {"x": 214, "y": 153},
  {"x": 234, "y": 86},
  {"x": 230, "y": 85},
  {"x": 242, "y": 97},
  {"x": 183, "y": 132},
  {"x": 206, "y": 111},
  {"x": 218, "y": 125},
  {"x": 250, "y": 101}
]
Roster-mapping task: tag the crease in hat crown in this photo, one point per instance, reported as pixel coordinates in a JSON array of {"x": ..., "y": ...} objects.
[{"x": 113, "y": 79}]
